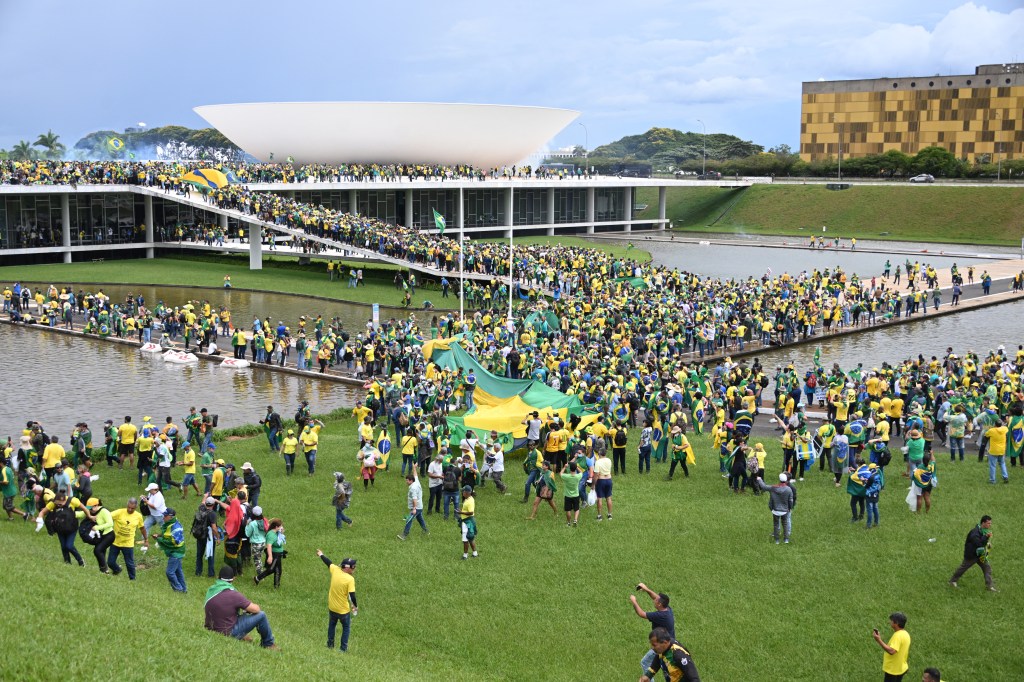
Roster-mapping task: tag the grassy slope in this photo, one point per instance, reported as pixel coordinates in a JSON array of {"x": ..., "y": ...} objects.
[
  {"x": 976, "y": 215},
  {"x": 284, "y": 277},
  {"x": 541, "y": 595}
]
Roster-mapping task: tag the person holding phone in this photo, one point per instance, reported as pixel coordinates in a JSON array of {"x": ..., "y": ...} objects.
[{"x": 894, "y": 660}]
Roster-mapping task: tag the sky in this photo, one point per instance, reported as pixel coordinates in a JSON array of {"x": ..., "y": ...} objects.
[{"x": 626, "y": 66}]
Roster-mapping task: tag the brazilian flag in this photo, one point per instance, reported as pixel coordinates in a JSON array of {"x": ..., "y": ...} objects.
[{"x": 115, "y": 144}]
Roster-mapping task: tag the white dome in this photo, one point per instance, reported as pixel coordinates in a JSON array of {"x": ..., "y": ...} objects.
[{"x": 483, "y": 135}]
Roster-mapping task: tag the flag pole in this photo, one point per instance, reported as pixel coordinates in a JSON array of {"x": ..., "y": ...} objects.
[
  {"x": 511, "y": 325},
  {"x": 462, "y": 283}
]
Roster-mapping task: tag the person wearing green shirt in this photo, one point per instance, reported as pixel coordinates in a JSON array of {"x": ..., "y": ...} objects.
[
  {"x": 172, "y": 541},
  {"x": 9, "y": 489},
  {"x": 275, "y": 553},
  {"x": 103, "y": 530},
  {"x": 532, "y": 467},
  {"x": 571, "y": 482},
  {"x": 256, "y": 532},
  {"x": 546, "y": 490},
  {"x": 957, "y": 429},
  {"x": 207, "y": 465}
]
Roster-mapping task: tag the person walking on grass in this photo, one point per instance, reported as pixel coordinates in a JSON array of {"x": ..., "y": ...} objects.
[
  {"x": 546, "y": 489},
  {"x": 976, "y": 550},
  {"x": 256, "y": 534},
  {"x": 894, "y": 660},
  {"x": 275, "y": 553},
  {"x": 171, "y": 539},
  {"x": 780, "y": 503},
  {"x": 414, "y": 499},
  {"x": 342, "y": 498},
  {"x": 127, "y": 521},
  {"x": 341, "y": 599},
  {"x": 466, "y": 513},
  {"x": 672, "y": 657},
  {"x": 661, "y": 617}
]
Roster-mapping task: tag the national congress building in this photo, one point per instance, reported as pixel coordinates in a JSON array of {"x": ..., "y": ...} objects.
[{"x": 978, "y": 117}]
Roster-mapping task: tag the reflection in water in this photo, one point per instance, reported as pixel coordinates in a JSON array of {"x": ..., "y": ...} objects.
[
  {"x": 977, "y": 330},
  {"x": 68, "y": 379}
]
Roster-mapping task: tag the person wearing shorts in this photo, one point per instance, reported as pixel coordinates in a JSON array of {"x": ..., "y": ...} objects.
[{"x": 602, "y": 476}]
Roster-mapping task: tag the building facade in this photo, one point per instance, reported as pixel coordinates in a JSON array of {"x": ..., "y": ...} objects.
[{"x": 977, "y": 117}]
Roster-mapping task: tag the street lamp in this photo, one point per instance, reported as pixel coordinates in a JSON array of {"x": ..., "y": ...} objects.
[
  {"x": 704, "y": 158},
  {"x": 586, "y": 148}
]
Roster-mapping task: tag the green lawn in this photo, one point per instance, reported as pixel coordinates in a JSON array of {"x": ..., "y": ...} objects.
[
  {"x": 544, "y": 601},
  {"x": 968, "y": 215},
  {"x": 279, "y": 276}
]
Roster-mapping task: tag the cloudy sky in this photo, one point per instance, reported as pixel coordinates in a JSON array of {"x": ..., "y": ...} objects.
[{"x": 627, "y": 65}]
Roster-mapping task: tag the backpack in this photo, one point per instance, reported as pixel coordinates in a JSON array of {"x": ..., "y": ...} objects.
[
  {"x": 85, "y": 530},
  {"x": 403, "y": 418},
  {"x": 620, "y": 438},
  {"x": 62, "y": 520},
  {"x": 451, "y": 480},
  {"x": 763, "y": 382},
  {"x": 812, "y": 381},
  {"x": 884, "y": 457},
  {"x": 199, "y": 525}
]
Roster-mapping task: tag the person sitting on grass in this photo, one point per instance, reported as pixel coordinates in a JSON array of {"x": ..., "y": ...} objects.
[{"x": 222, "y": 606}]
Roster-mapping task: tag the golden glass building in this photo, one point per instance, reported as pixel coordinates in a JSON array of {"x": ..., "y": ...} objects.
[{"x": 979, "y": 117}]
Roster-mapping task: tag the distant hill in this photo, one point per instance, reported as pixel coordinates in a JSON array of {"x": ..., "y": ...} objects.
[{"x": 665, "y": 147}]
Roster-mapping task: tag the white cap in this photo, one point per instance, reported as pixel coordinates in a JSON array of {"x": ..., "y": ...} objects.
[
  {"x": 782, "y": 477},
  {"x": 247, "y": 465},
  {"x": 152, "y": 486}
]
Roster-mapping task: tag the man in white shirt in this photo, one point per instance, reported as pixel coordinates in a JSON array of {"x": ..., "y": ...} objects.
[
  {"x": 415, "y": 499},
  {"x": 164, "y": 462},
  {"x": 154, "y": 499},
  {"x": 494, "y": 461},
  {"x": 533, "y": 425},
  {"x": 435, "y": 472}
]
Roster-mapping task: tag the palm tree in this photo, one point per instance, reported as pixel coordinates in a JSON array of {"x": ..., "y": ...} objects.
[
  {"x": 52, "y": 144},
  {"x": 23, "y": 151}
]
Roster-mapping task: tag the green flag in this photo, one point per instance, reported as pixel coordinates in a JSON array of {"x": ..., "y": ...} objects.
[
  {"x": 629, "y": 246},
  {"x": 291, "y": 159},
  {"x": 438, "y": 221},
  {"x": 817, "y": 356}
]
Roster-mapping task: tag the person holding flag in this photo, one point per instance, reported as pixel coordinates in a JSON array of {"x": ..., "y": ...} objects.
[{"x": 439, "y": 222}]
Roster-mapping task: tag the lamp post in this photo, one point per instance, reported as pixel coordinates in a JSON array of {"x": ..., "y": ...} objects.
[
  {"x": 586, "y": 149},
  {"x": 704, "y": 158}
]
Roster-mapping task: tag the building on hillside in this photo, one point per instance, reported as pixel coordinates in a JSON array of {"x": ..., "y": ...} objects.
[{"x": 977, "y": 117}]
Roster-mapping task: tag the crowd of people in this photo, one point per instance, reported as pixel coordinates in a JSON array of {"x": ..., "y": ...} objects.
[
  {"x": 643, "y": 346},
  {"x": 157, "y": 173}
]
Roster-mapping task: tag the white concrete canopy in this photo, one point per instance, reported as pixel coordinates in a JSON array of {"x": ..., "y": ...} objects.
[{"x": 482, "y": 135}]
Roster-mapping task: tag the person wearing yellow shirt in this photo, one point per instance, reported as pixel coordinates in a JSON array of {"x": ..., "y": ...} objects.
[
  {"x": 289, "y": 446},
  {"x": 366, "y": 430},
  {"x": 341, "y": 599},
  {"x": 896, "y": 414},
  {"x": 188, "y": 460},
  {"x": 53, "y": 453},
  {"x": 996, "y": 436},
  {"x": 217, "y": 481},
  {"x": 126, "y": 435},
  {"x": 310, "y": 438},
  {"x": 894, "y": 660},
  {"x": 127, "y": 521}
]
